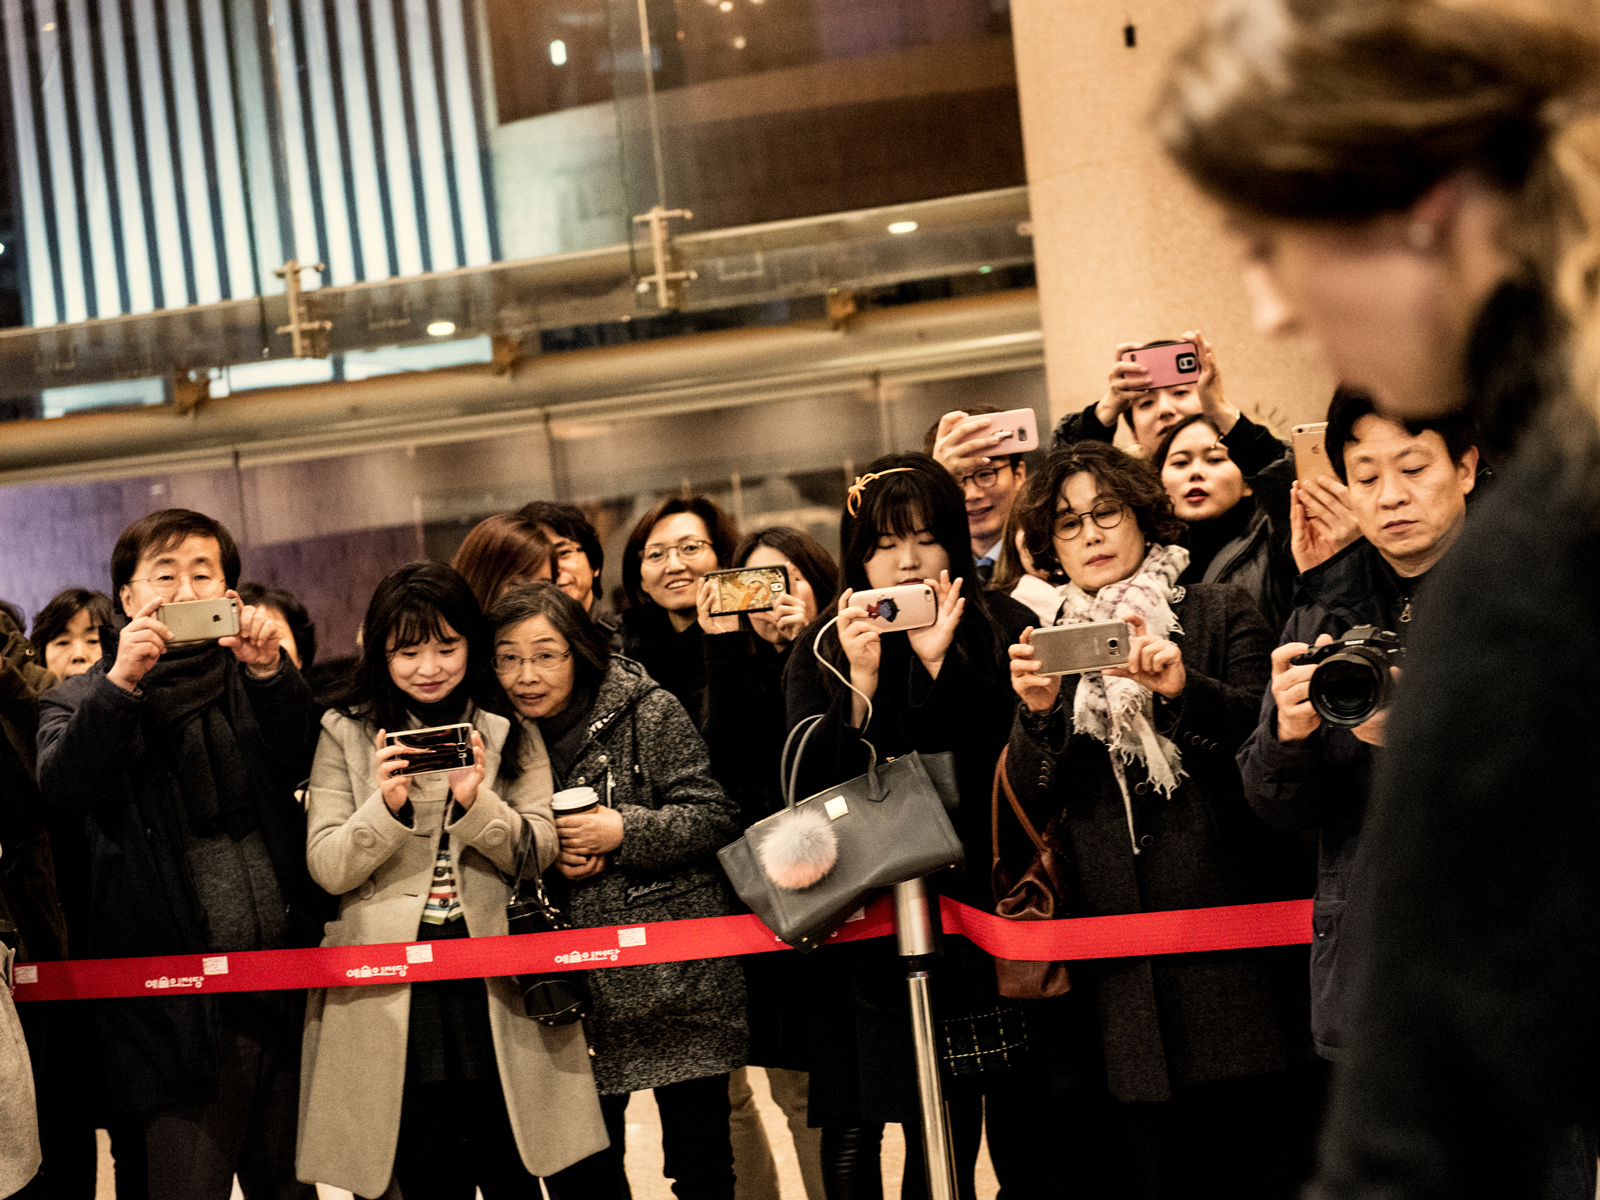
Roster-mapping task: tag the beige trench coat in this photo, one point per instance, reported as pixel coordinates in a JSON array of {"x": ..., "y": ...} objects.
[
  {"x": 19, "y": 1121},
  {"x": 353, "y": 1058}
]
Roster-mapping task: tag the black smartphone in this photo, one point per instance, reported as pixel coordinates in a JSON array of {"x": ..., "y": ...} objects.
[{"x": 441, "y": 748}]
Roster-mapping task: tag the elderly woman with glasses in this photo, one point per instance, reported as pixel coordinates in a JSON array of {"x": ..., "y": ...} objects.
[
  {"x": 646, "y": 853},
  {"x": 1207, "y": 1055}
]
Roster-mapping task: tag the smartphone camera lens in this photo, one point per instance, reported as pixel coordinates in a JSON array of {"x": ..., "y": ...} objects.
[{"x": 1111, "y": 644}]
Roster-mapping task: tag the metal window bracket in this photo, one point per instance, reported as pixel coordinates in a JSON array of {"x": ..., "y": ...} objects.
[
  {"x": 667, "y": 283},
  {"x": 302, "y": 333}
]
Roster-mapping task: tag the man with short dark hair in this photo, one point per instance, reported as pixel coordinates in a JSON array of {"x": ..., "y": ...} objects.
[
  {"x": 181, "y": 761},
  {"x": 961, "y": 442},
  {"x": 1408, "y": 489},
  {"x": 576, "y": 552}
]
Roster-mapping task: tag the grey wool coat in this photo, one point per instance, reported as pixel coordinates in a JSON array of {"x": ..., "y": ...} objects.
[
  {"x": 665, "y": 1022},
  {"x": 353, "y": 1059}
]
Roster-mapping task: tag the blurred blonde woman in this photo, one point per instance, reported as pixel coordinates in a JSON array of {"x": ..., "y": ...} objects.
[{"x": 1417, "y": 183}]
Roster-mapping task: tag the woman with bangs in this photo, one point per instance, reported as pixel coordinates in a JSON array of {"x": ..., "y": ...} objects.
[
  {"x": 446, "y": 1086},
  {"x": 942, "y": 688}
]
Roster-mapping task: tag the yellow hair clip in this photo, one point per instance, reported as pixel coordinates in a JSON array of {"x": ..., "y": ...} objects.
[{"x": 852, "y": 502}]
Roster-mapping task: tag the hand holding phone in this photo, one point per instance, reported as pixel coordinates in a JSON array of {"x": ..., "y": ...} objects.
[
  {"x": 1037, "y": 690},
  {"x": 140, "y": 646},
  {"x": 1310, "y": 451},
  {"x": 1167, "y": 364},
  {"x": 746, "y": 589}
]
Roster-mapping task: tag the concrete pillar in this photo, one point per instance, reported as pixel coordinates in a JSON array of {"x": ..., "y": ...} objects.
[{"x": 1126, "y": 249}]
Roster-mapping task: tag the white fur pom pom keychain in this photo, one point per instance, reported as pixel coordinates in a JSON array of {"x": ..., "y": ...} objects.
[{"x": 799, "y": 848}]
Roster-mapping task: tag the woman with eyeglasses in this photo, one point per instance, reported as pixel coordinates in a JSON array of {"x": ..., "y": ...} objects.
[
  {"x": 445, "y": 1086},
  {"x": 672, "y": 547},
  {"x": 1208, "y": 1056},
  {"x": 646, "y": 853}
]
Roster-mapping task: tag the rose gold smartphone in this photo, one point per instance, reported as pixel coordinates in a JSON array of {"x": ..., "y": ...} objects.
[
  {"x": 1018, "y": 426},
  {"x": 1169, "y": 363},
  {"x": 1311, "y": 451},
  {"x": 896, "y": 609}
]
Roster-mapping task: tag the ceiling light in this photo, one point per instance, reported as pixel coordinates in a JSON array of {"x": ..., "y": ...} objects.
[
  {"x": 558, "y": 53},
  {"x": 738, "y": 43},
  {"x": 902, "y": 227},
  {"x": 726, "y": 5},
  {"x": 441, "y": 328}
]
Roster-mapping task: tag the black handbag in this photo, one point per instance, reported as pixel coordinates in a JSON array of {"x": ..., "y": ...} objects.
[
  {"x": 890, "y": 825},
  {"x": 558, "y": 998}
]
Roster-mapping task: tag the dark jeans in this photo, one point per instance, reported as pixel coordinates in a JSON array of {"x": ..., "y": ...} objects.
[
  {"x": 247, "y": 1127},
  {"x": 455, "y": 1137},
  {"x": 698, "y": 1151},
  {"x": 55, "y": 1033},
  {"x": 1254, "y": 1137}
]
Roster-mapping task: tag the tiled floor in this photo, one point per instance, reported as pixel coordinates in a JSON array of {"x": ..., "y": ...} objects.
[{"x": 644, "y": 1155}]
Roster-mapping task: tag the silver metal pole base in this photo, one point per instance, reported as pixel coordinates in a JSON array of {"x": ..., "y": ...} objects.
[{"x": 914, "y": 932}]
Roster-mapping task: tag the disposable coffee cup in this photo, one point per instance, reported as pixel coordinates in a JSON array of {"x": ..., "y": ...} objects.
[{"x": 571, "y": 801}]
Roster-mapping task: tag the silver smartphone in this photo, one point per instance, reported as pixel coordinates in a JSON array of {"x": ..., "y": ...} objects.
[
  {"x": 441, "y": 748},
  {"x": 1076, "y": 649},
  {"x": 200, "y": 620}
]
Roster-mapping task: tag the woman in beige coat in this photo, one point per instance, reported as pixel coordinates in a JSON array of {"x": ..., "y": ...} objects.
[{"x": 442, "y": 1087}]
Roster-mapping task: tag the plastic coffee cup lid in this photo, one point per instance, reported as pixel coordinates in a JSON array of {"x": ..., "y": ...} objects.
[{"x": 573, "y": 799}]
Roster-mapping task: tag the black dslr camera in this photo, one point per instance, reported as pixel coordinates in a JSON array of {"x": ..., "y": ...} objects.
[{"x": 1352, "y": 679}]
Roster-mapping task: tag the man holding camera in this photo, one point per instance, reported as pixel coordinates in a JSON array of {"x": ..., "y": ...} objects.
[
  {"x": 180, "y": 759},
  {"x": 1309, "y": 762},
  {"x": 963, "y": 444}
]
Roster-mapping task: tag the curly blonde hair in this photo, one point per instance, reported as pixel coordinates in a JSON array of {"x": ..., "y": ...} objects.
[{"x": 1349, "y": 109}]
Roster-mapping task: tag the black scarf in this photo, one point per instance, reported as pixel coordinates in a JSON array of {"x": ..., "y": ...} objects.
[
  {"x": 191, "y": 721},
  {"x": 565, "y": 731},
  {"x": 1205, "y": 539}
]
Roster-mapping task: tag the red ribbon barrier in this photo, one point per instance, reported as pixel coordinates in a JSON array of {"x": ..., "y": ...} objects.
[{"x": 1238, "y": 927}]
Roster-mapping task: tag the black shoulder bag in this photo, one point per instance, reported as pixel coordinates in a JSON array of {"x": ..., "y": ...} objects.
[{"x": 559, "y": 998}]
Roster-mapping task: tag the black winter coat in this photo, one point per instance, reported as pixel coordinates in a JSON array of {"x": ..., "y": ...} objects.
[
  {"x": 1193, "y": 1018},
  {"x": 1472, "y": 1044},
  {"x": 1322, "y": 783},
  {"x": 861, "y": 1062},
  {"x": 95, "y": 764}
]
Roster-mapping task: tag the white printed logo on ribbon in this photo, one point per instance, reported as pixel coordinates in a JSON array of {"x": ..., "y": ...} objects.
[
  {"x": 631, "y": 937},
  {"x": 27, "y": 974},
  {"x": 420, "y": 953},
  {"x": 217, "y": 965}
]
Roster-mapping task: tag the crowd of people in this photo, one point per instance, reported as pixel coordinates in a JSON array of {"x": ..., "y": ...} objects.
[
  {"x": 1414, "y": 195},
  {"x": 220, "y": 795}
]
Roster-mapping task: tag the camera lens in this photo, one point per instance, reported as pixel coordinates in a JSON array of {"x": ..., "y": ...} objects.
[
  {"x": 1350, "y": 686},
  {"x": 1111, "y": 643}
]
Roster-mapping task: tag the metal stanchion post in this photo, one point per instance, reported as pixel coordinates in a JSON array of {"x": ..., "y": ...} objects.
[{"x": 914, "y": 935}]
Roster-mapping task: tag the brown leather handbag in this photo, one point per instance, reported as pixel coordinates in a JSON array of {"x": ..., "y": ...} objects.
[{"x": 1035, "y": 895}]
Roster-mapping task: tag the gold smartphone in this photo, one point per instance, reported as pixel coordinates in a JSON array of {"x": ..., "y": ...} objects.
[{"x": 1311, "y": 451}]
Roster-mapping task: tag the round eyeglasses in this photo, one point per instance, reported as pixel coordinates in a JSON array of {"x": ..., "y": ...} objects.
[{"x": 1105, "y": 516}]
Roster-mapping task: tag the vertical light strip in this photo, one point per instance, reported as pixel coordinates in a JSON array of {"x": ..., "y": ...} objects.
[
  {"x": 63, "y": 179},
  {"x": 305, "y": 236},
  {"x": 464, "y": 134},
  {"x": 224, "y": 136},
  {"x": 92, "y": 168},
  {"x": 430, "y": 142},
  {"x": 363, "y": 149},
  {"x": 402, "y": 202},
  {"x": 330, "y": 166},
  {"x": 41, "y": 285},
  {"x": 158, "y": 155},
  {"x": 122, "y": 165},
  {"x": 196, "y": 179}
]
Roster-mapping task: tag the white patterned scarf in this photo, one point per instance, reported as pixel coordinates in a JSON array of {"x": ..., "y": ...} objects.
[{"x": 1119, "y": 712}]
